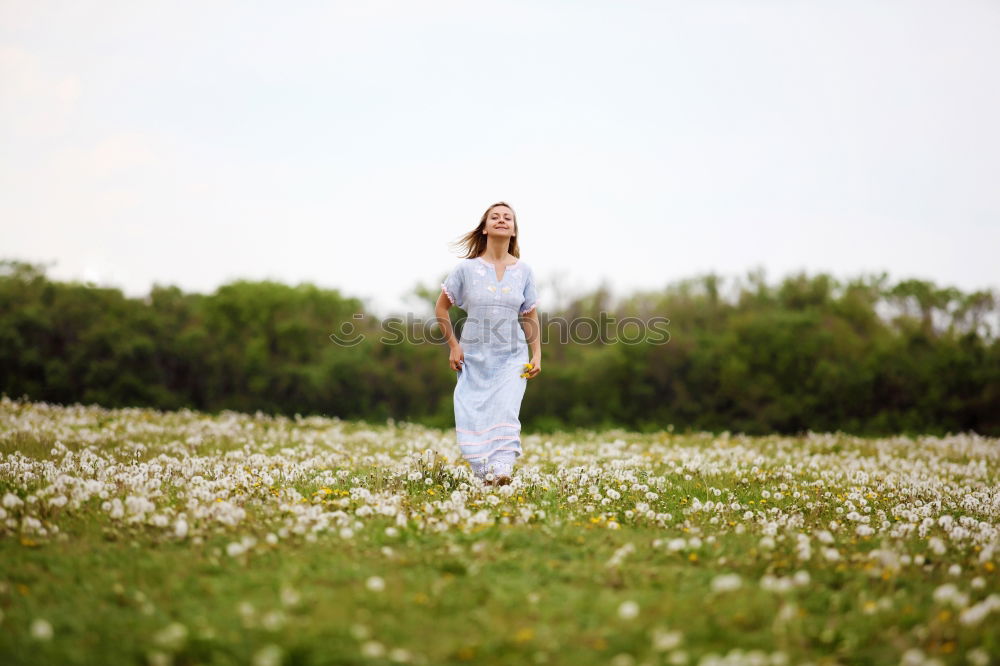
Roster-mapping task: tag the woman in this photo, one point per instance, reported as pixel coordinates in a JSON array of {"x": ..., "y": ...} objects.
[{"x": 497, "y": 290}]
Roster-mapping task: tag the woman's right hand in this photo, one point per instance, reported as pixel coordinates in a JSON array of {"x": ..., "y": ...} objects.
[{"x": 456, "y": 357}]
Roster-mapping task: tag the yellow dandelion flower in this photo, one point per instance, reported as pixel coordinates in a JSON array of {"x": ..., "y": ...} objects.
[{"x": 524, "y": 635}]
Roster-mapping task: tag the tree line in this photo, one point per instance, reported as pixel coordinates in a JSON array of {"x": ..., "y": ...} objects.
[{"x": 809, "y": 352}]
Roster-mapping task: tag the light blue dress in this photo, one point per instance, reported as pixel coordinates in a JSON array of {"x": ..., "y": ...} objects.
[{"x": 490, "y": 388}]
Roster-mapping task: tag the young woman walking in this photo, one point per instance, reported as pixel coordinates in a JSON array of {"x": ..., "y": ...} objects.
[{"x": 497, "y": 291}]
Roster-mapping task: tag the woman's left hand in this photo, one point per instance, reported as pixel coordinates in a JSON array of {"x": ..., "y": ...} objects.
[{"x": 533, "y": 368}]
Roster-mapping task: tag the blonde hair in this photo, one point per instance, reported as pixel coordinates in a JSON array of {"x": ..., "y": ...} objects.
[{"x": 474, "y": 242}]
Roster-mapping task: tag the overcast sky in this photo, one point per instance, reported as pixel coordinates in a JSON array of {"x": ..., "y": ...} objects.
[{"x": 346, "y": 143}]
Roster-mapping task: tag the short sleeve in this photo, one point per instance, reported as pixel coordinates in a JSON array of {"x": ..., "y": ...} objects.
[
  {"x": 454, "y": 286},
  {"x": 530, "y": 294}
]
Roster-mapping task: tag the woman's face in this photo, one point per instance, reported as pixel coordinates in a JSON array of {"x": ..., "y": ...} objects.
[{"x": 500, "y": 222}]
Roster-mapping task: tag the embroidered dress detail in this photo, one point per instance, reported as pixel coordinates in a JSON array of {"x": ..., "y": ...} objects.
[
  {"x": 489, "y": 387},
  {"x": 491, "y": 439},
  {"x": 478, "y": 432},
  {"x": 473, "y": 456}
]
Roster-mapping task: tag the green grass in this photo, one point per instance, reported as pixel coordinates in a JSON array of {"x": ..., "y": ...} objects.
[{"x": 533, "y": 581}]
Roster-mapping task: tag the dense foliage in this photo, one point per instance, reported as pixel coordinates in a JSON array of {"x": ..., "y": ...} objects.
[{"x": 810, "y": 353}]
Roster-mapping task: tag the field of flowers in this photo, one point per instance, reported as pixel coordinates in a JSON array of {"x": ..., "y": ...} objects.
[{"x": 137, "y": 536}]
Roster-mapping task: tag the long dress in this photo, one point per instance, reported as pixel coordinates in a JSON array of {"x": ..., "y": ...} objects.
[{"x": 489, "y": 387}]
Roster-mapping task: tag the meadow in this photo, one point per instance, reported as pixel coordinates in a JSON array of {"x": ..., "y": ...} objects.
[{"x": 135, "y": 536}]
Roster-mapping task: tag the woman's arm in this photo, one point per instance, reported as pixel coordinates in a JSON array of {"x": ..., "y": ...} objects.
[
  {"x": 455, "y": 355},
  {"x": 532, "y": 330}
]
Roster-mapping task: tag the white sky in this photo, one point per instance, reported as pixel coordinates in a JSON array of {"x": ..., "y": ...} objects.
[{"x": 346, "y": 143}]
